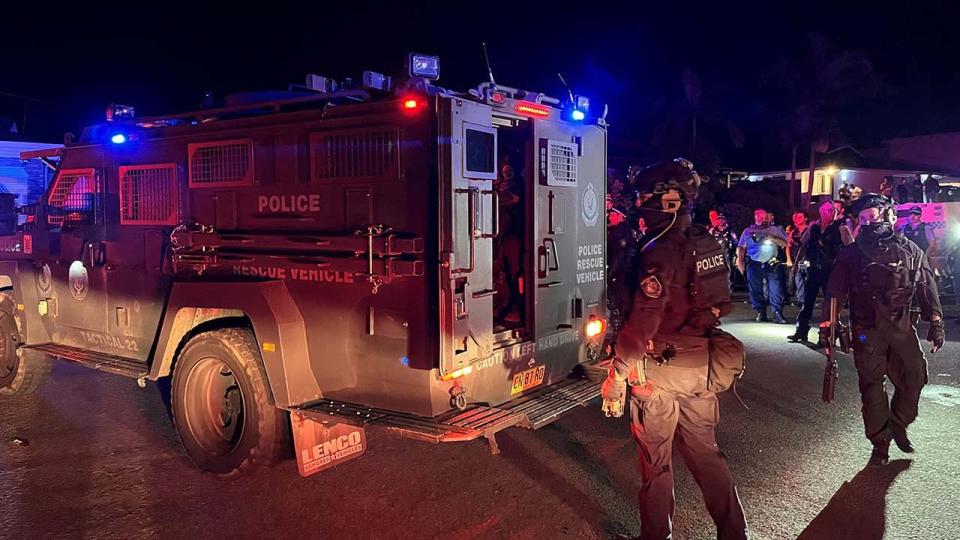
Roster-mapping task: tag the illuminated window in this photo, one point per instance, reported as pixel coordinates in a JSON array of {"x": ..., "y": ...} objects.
[{"x": 71, "y": 199}]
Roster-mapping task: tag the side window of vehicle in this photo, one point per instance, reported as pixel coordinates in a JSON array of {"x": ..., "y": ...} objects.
[
  {"x": 366, "y": 154},
  {"x": 72, "y": 200},
  {"x": 148, "y": 194},
  {"x": 217, "y": 164}
]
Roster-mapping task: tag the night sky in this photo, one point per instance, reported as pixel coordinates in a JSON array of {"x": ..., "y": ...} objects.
[{"x": 161, "y": 59}]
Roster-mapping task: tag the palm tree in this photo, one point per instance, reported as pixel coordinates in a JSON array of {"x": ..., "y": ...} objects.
[
  {"x": 691, "y": 126},
  {"x": 812, "y": 88}
]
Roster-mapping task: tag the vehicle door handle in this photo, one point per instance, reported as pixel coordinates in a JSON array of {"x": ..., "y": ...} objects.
[
  {"x": 484, "y": 293},
  {"x": 472, "y": 229},
  {"x": 556, "y": 256},
  {"x": 93, "y": 254},
  {"x": 495, "y": 218}
]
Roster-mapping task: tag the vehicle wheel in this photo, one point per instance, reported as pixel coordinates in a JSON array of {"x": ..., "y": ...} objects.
[
  {"x": 21, "y": 371},
  {"x": 222, "y": 405}
]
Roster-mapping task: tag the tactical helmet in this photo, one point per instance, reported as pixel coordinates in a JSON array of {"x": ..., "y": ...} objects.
[
  {"x": 670, "y": 186},
  {"x": 888, "y": 211}
]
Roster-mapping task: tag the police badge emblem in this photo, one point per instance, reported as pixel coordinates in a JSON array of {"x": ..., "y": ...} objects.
[
  {"x": 78, "y": 280},
  {"x": 651, "y": 286}
]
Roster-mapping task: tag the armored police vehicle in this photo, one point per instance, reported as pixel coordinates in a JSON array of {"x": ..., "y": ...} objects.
[{"x": 390, "y": 253}]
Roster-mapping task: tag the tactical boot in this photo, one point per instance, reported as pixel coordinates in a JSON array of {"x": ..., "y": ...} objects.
[
  {"x": 762, "y": 316},
  {"x": 900, "y": 438},
  {"x": 880, "y": 455},
  {"x": 778, "y": 317},
  {"x": 800, "y": 334}
]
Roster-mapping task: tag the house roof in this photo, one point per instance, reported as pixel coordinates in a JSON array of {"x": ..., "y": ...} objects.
[{"x": 12, "y": 149}]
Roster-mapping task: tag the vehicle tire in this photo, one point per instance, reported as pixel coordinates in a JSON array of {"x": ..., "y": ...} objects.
[
  {"x": 21, "y": 371},
  {"x": 222, "y": 406}
]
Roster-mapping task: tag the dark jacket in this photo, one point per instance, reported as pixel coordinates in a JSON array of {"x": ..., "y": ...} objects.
[
  {"x": 663, "y": 302},
  {"x": 883, "y": 281},
  {"x": 820, "y": 246}
]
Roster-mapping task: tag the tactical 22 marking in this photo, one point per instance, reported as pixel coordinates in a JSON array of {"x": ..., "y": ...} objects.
[{"x": 113, "y": 342}]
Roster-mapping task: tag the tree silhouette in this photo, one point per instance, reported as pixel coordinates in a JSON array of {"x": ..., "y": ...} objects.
[
  {"x": 810, "y": 91},
  {"x": 692, "y": 127}
]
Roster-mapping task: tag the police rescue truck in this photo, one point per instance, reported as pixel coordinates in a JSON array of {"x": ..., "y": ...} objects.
[{"x": 337, "y": 256}]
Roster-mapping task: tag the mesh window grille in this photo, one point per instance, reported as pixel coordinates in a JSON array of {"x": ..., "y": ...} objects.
[
  {"x": 148, "y": 194},
  {"x": 72, "y": 197},
  {"x": 368, "y": 153},
  {"x": 563, "y": 163},
  {"x": 221, "y": 163}
]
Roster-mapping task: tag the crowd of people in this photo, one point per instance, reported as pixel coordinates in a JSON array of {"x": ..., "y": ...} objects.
[
  {"x": 670, "y": 283},
  {"x": 779, "y": 265},
  {"x": 902, "y": 190}
]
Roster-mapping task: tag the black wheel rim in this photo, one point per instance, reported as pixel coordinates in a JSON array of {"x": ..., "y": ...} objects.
[{"x": 214, "y": 406}]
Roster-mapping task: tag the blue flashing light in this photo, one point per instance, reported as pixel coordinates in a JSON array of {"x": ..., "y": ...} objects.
[
  {"x": 421, "y": 65},
  {"x": 118, "y": 138},
  {"x": 405, "y": 361},
  {"x": 577, "y": 115},
  {"x": 863, "y": 338}
]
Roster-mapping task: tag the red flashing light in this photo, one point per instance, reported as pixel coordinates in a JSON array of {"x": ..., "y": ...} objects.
[
  {"x": 410, "y": 104},
  {"x": 594, "y": 328},
  {"x": 498, "y": 97},
  {"x": 532, "y": 109}
]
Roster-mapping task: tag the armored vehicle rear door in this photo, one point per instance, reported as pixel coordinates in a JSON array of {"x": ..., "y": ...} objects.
[
  {"x": 467, "y": 167},
  {"x": 570, "y": 223}
]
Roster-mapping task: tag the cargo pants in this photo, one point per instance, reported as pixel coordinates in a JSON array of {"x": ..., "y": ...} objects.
[
  {"x": 896, "y": 354},
  {"x": 656, "y": 422}
]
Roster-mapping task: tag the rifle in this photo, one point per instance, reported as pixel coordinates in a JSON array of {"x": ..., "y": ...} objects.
[{"x": 831, "y": 370}]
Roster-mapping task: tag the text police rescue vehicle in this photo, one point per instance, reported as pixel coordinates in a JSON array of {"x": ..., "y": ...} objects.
[{"x": 342, "y": 256}]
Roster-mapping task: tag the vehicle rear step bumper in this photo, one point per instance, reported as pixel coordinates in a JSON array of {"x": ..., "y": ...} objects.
[{"x": 531, "y": 412}]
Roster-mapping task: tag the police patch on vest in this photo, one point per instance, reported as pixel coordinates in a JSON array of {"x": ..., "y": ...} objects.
[
  {"x": 711, "y": 262},
  {"x": 651, "y": 287}
]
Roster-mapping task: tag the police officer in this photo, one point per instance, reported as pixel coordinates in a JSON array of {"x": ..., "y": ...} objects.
[
  {"x": 757, "y": 259},
  {"x": 819, "y": 247},
  {"x": 676, "y": 306},
  {"x": 720, "y": 230},
  {"x": 883, "y": 272},
  {"x": 916, "y": 230},
  {"x": 622, "y": 248}
]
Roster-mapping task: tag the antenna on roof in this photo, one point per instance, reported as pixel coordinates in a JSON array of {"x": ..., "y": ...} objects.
[
  {"x": 483, "y": 44},
  {"x": 567, "y": 86}
]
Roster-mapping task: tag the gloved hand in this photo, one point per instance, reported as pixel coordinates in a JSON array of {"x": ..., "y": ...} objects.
[
  {"x": 614, "y": 394},
  {"x": 936, "y": 335}
]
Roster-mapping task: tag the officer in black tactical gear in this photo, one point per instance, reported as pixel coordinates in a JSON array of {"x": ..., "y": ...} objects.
[
  {"x": 622, "y": 249},
  {"x": 672, "y": 359},
  {"x": 819, "y": 247},
  {"x": 728, "y": 241},
  {"x": 883, "y": 273}
]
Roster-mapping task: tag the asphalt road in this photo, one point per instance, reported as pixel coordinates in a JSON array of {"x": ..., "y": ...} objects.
[{"x": 103, "y": 462}]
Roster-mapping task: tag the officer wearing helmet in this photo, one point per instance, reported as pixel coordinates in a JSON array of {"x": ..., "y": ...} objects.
[
  {"x": 671, "y": 359},
  {"x": 884, "y": 274}
]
